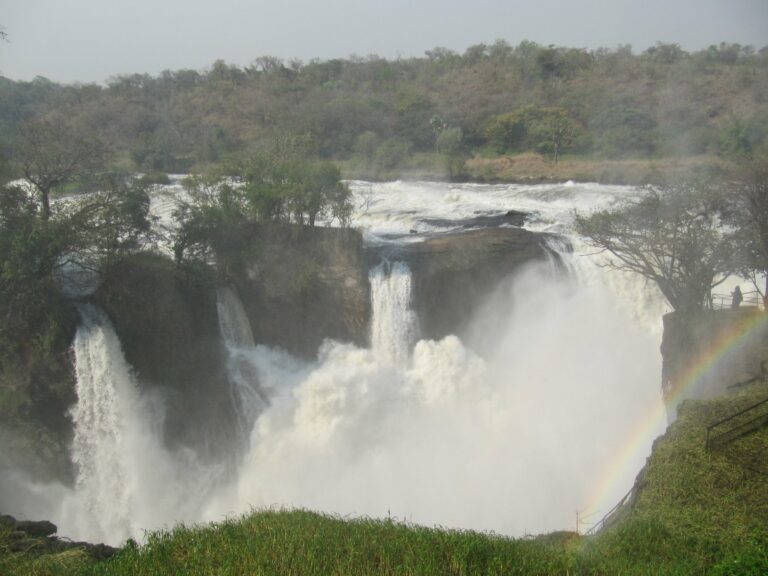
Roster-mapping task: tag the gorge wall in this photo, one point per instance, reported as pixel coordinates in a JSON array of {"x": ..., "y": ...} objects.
[
  {"x": 166, "y": 319},
  {"x": 298, "y": 287},
  {"x": 302, "y": 285},
  {"x": 453, "y": 275},
  {"x": 712, "y": 353}
]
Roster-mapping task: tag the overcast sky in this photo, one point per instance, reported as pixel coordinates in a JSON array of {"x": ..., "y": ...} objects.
[{"x": 92, "y": 40}]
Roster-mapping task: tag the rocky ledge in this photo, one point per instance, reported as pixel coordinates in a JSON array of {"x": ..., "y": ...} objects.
[{"x": 39, "y": 537}]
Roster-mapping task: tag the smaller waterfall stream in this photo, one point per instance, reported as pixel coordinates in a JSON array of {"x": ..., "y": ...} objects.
[
  {"x": 105, "y": 391},
  {"x": 248, "y": 397},
  {"x": 394, "y": 325}
]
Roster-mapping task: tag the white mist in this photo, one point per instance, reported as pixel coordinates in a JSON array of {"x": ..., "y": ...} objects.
[{"x": 514, "y": 442}]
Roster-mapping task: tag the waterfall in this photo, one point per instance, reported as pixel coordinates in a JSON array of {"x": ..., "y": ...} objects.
[
  {"x": 559, "y": 253},
  {"x": 434, "y": 431},
  {"x": 127, "y": 481},
  {"x": 106, "y": 392},
  {"x": 233, "y": 322},
  {"x": 248, "y": 397},
  {"x": 394, "y": 325}
]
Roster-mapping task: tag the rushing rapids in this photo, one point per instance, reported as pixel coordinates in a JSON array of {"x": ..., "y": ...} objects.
[{"x": 510, "y": 436}]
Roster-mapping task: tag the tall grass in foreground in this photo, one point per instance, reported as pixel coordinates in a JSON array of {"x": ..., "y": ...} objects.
[{"x": 305, "y": 543}]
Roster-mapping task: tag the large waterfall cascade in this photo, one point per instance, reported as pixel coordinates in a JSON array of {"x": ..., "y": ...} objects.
[
  {"x": 511, "y": 440},
  {"x": 126, "y": 480}
]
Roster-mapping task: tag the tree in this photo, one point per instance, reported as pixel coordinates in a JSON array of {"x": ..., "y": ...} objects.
[
  {"x": 672, "y": 235},
  {"x": 105, "y": 225},
  {"x": 282, "y": 183},
  {"x": 749, "y": 195},
  {"x": 449, "y": 146},
  {"x": 556, "y": 128},
  {"x": 213, "y": 220},
  {"x": 52, "y": 153},
  {"x": 89, "y": 231},
  {"x": 279, "y": 184},
  {"x": 533, "y": 128}
]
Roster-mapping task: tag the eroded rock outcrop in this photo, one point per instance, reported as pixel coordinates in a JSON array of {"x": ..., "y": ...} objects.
[
  {"x": 454, "y": 274},
  {"x": 302, "y": 285},
  {"x": 167, "y": 322}
]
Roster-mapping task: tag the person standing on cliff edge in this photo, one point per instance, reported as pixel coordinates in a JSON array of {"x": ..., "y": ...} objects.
[{"x": 737, "y": 297}]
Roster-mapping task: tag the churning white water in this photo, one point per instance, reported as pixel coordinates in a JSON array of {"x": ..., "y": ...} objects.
[
  {"x": 514, "y": 442},
  {"x": 512, "y": 435}
]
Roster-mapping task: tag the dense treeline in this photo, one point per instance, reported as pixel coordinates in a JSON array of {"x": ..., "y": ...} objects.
[{"x": 606, "y": 103}]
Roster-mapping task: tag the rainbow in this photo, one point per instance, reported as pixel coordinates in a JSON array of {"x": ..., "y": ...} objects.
[{"x": 648, "y": 426}]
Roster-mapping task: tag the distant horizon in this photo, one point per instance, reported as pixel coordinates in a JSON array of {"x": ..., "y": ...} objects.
[{"x": 91, "y": 41}]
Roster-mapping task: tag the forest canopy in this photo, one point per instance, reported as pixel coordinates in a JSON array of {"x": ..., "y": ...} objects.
[{"x": 495, "y": 98}]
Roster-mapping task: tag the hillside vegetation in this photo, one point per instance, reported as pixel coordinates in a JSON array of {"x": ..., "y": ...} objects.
[
  {"x": 425, "y": 116},
  {"x": 695, "y": 512}
]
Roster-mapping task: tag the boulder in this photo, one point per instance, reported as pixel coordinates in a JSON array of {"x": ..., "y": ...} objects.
[{"x": 510, "y": 217}]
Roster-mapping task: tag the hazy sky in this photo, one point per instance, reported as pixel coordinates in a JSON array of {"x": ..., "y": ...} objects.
[{"x": 91, "y": 40}]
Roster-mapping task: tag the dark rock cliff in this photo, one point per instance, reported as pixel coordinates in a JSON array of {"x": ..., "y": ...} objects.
[
  {"x": 302, "y": 285},
  {"x": 167, "y": 322},
  {"x": 712, "y": 353},
  {"x": 455, "y": 274},
  {"x": 37, "y": 387}
]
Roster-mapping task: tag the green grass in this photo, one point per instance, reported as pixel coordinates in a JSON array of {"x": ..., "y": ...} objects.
[{"x": 695, "y": 513}]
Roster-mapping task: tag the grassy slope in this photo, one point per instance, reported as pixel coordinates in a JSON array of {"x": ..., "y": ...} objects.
[{"x": 696, "y": 513}]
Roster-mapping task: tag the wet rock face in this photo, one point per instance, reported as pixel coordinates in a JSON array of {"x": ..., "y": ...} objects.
[
  {"x": 454, "y": 274},
  {"x": 167, "y": 322},
  {"x": 688, "y": 343},
  {"x": 302, "y": 285}
]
